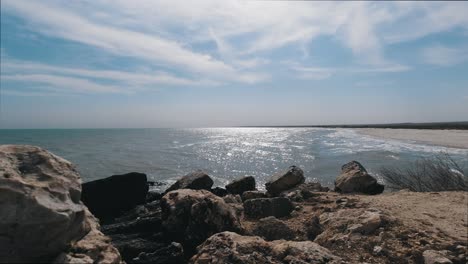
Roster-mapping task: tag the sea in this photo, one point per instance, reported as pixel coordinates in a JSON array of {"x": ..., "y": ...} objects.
[{"x": 165, "y": 154}]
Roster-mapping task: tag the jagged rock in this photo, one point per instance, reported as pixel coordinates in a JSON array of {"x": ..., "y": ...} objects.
[
  {"x": 229, "y": 247},
  {"x": 109, "y": 197},
  {"x": 271, "y": 228},
  {"x": 313, "y": 228},
  {"x": 230, "y": 198},
  {"x": 197, "y": 180},
  {"x": 191, "y": 216},
  {"x": 263, "y": 207},
  {"x": 94, "y": 248},
  {"x": 253, "y": 195},
  {"x": 286, "y": 180},
  {"x": 241, "y": 185},
  {"x": 218, "y": 191},
  {"x": 436, "y": 257},
  {"x": 354, "y": 178},
  {"x": 304, "y": 191},
  {"x": 171, "y": 254},
  {"x": 40, "y": 208},
  {"x": 131, "y": 245}
]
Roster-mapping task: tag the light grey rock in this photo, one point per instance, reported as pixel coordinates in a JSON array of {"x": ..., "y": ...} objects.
[
  {"x": 355, "y": 179},
  {"x": 436, "y": 257},
  {"x": 286, "y": 180},
  {"x": 40, "y": 209},
  {"x": 197, "y": 180}
]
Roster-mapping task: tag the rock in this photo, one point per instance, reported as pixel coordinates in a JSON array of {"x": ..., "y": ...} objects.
[
  {"x": 95, "y": 247},
  {"x": 271, "y": 228},
  {"x": 229, "y": 247},
  {"x": 230, "y": 198},
  {"x": 241, "y": 185},
  {"x": 153, "y": 196},
  {"x": 40, "y": 209},
  {"x": 109, "y": 197},
  {"x": 436, "y": 257},
  {"x": 263, "y": 207},
  {"x": 172, "y": 254},
  {"x": 313, "y": 228},
  {"x": 218, "y": 191},
  {"x": 130, "y": 246},
  {"x": 197, "y": 180},
  {"x": 191, "y": 216},
  {"x": 354, "y": 178},
  {"x": 253, "y": 195},
  {"x": 283, "y": 181},
  {"x": 304, "y": 191}
]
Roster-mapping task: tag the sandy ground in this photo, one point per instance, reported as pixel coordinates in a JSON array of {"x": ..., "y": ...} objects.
[{"x": 446, "y": 138}]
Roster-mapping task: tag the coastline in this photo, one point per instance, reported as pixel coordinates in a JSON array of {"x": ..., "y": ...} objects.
[{"x": 437, "y": 137}]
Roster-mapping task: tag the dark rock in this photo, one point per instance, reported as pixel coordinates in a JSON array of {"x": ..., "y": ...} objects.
[
  {"x": 191, "y": 216},
  {"x": 313, "y": 228},
  {"x": 130, "y": 246},
  {"x": 286, "y": 180},
  {"x": 263, "y": 207},
  {"x": 221, "y": 192},
  {"x": 229, "y": 247},
  {"x": 109, "y": 197},
  {"x": 241, "y": 185},
  {"x": 171, "y": 254},
  {"x": 271, "y": 228},
  {"x": 197, "y": 180},
  {"x": 253, "y": 195},
  {"x": 355, "y": 179},
  {"x": 149, "y": 224},
  {"x": 153, "y": 196}
]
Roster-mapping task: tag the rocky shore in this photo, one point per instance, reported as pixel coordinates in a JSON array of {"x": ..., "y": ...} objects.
[{"x": 48, "y": 215}]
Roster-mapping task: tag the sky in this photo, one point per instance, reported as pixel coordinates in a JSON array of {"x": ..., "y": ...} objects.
[{"x": 144, "y": 63}]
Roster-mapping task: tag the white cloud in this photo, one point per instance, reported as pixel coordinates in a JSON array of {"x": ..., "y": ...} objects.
[{"x": 444, "y": 56}]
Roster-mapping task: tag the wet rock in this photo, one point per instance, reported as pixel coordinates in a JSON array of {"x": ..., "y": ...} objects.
[
  {"x": 271, "y": 228},
  {"x": 241, "y": 185},
  {"x": 109, "y": 197},
  {"x": 229, "y": 247},
  {"x": 253, "y": 195},
  {"x": 355, "y": 179},
  {"x": 436, "y": 257},
  {"x": 191, "y": 216},
  {"x": 218, "y": 191},
  {"x": 286, "y": 180},
  {"x": 197, "y": 180},
  {"x": 93, "y": 248},
  {"x": 263, "y": 207},
  {"x": 171, "y": 254},
  {"x": 40, "y": 209}
]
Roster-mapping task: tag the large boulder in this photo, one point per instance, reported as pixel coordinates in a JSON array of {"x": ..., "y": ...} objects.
[
  {"x": 263, "y": 207},
  {"x": 95, "y": 247},
  {"x": 109, "y": 197},
  {"x": 40, "y": 209},
  {"x": 241, "y": 185},
  {"x": 229, "y": 247},
  {"x": 355, "y": 179},
  {"x": 286, "y": 180},
  {"x": 197, "y": 180},
  {"x": 191, "y": 216}
]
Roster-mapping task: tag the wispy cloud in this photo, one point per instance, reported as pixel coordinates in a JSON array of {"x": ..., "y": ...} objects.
[{"x": 444, "y": 56}]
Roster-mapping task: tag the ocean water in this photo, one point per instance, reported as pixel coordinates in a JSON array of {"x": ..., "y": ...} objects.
[{"x": 225, "y": 153}]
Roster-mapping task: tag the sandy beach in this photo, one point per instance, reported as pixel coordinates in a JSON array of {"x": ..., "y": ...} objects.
[{"x": 446, "y": 138}]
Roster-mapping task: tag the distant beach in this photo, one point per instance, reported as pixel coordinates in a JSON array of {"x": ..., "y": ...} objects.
[{"x": 445, "y": 138}]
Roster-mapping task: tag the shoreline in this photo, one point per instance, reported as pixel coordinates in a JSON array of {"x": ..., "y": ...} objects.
[{"x": 437, "y": 137}]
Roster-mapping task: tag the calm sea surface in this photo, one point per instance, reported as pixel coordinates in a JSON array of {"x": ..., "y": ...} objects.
[{"x": 225, "y": 153}]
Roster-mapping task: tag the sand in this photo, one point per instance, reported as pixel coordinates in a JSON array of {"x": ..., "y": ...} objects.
[{"x": 446, "y": 138}]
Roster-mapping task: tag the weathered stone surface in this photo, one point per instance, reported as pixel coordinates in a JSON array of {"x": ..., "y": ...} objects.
[
  {"x": 191, "y": 216},
  {"x": 171, "y": 254},
  {"x": 286, "y": 180},
  {"x": 197, "y": 180},
  {"x": 263, "y": 207},
  {"x": 230, "y": 198},
  {"x": 229, "y": 247},
  {"x": 94, "y": 248},
  {"x": 109, "y": 197},
  {"x": 313, "y": 228},
  {"x": 304, "y": 191},
  {"x": 271, "y": 228},
  {"x": 436, "y": 257},
  {"x": 40, "y": 208},
  {"x": 354, "y": 178},
  {"x": 131, "y": 245},
  {"x": 241, "y": 185},
  {"x": 253, "y": 195}
]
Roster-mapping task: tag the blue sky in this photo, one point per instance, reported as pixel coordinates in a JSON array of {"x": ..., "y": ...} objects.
[{"x": 100, "y": 63}]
